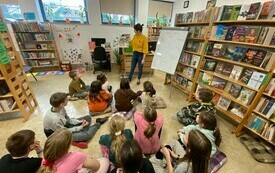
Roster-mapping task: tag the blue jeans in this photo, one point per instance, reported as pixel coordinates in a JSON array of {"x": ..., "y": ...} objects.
[
  {"x": 137, "y": 58},
  {"x": 83, "y": 94}
]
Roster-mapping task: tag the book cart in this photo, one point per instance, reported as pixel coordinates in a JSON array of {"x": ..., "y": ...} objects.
[
  {"x": 238, "y": 67},
  {"x": 37, "y": 45},
  {"x": 17, "y": 94}
]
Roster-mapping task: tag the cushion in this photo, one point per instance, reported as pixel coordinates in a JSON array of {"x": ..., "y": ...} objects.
[
  {"x": 217, "y": 161},
  {"x": 260, "y": 151},
  {"x": 160, "y": 103}
]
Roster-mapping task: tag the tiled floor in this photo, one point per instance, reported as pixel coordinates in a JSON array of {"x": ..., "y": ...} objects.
[{"x": 239, "y": 159}]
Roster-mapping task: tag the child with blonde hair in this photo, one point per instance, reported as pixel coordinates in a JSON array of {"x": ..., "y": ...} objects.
[
  {"x": 57, "y": 157},
  {"x": 111, "y": 143},
  {"x": 148, "y": 128}
]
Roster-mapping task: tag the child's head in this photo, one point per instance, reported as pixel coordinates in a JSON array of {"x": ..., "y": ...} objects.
[
  {"x": 102, "y": 78},
  {"x": 124, "y": 84},
  {"x": 56, "y": 146},
  {"x": 148, "y": 87},
  {"x": 150, "y": 115},
  {"x": 95, "y": 90},
  {"x": 59, "y": 99},
  {"x": 208, "y": 121},
  {"x": 198, "y": 151},
  {"x": 204, "y": 95},
  {"x": 116, "y": 127},
  {"x": 131, "y": 157},
  {"x": 21, "y": 143},
  {"x": 74, "y": 74}
]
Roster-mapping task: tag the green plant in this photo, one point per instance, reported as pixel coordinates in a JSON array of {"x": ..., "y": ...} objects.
[
  {"x": 109, "y": 17},
  {"x": 157, "y": 20},
  {"x": 118, "y": 56}
]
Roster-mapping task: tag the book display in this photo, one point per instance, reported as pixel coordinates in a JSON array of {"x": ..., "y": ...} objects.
[
  {"x": 37, "y": 45},
  {"x": 15, "y": 92}
]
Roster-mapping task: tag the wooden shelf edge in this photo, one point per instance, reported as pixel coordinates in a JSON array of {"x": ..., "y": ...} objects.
[
  {"x": 187, "y": 65},
  {"x": 191, "y": 24},
  {"x": 195, "y": 53},
  {"x": 256, "y": 22},
  {"x": 38, "y": 58},
  {"x": 242, "y": 43},
  {"x": 231, "y": 115},
  {"x": 2, "y": 78},
  {"x": 181, "y": 74},
  {"x": 258, "y": 134},
  {"x": 197, "y": 39},
  {"x": 32, "y": 31},
  {"x": 268, "y": 95},
  {"x": 263, "y": 116},
  {"x": 6, "y": 95},
  {"x": 11, "y": 111},
  {"x": 36, "y": 50},
  {"x": 181, "y": 88}
]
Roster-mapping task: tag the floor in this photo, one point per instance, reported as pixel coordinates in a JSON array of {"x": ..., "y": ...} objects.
[{"x": 239, "y": 159}]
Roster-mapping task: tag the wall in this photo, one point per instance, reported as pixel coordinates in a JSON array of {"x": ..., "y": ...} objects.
[{"x": 197, "y": 5}]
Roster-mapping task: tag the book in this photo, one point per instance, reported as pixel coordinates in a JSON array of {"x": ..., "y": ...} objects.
[
  {"x": 267, "y": 10},
  {"x": 229, "y": 51},
  {"x": 227, "y": 12},
  {"x": 271, "y": 111},
  {"x": 235, "y": 90},
  {"x": 256, "y": 79},
  {"x": 268, "y": 61},
  {"x": 219, "y": 67},
  {"x": 224, "y": 103},
  {"x": 252, "y": 34},
  {"x": 259, "y": 58},
  {"x": 243, "y": 12},
  {"x": 205, "y": 78},
  {"x": 270, "y": 87},
  {"x": 209, "y": 48},
  {"x": 236, "y": 72},
  {"x": 259, "y": 105},
  {"x": 209, "y": 64},
  {"x": 227, "y": 86},
  {"x": 197, "y": 31},
  {"x": 246, "y": 74},
  {"x": 189, "y": 17},
  {"x": 195, "y": 60},
  {"x": 249, "y": 55},
  {"x": 227, "y": 69},
  {"x": 238, "y": 110},
  {"x": 221, "y": 31},
  {"x": 218, "y": 83},
  {"x": 268, "y": 107},
  {"x": 262, "y": 35},
  {"x": 253, "y": 11},
  {"x": 240, "y": 33},
  {"x": 230, "y": 32},
  {"x": 220, "y": 13},
  {"x": 216, "y": 99},
  {"x": 217, "y": 50},
  {"x": 269, "y": 36},
  {"x": 246, "y": 95},
  {"x": 235, "y": 12},
  {"x": 239, "y": 54},
  {"x": 272, "y": 42}
]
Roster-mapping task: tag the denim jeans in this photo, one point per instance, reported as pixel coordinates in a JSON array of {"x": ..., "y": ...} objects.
[
  {"x": 83, "y": 94},
  {"x": 137, "y": 58}
]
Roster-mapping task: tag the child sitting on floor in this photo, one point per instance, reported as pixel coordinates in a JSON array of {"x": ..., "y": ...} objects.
[
  {"x": 111, "y": 143},
  {"x": 77, "y": 87},
  {"x": 57, "y": 157},
  {"x": 148, "y": 129},
  {"x": 99, "y": 101},
  {"x": 57, "y": 118},
  {"x": 19, "y": 145},
  {"x": 187, "y": 115},
  {"x": 105, "y": 84},
  {"x": 124, "y": 99}
]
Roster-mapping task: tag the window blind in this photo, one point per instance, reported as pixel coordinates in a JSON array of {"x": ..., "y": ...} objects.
[
  {"x": 163, "y": 8},
  {"x": 124, "y": 7}
]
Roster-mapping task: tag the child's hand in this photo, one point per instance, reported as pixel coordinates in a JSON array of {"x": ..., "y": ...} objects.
[
  {"x": 84, "y": 124},
  {"x": 180, "y": 131},
  {"x": 84, "y": 121},
  {"x": 166, "y": 152},
  {"x": 37, "y": 146}
]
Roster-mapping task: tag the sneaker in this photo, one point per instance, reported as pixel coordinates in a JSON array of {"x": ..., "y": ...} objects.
[
  {"x": 102, "y": 120},
  {"x": 81, "y": 145}
]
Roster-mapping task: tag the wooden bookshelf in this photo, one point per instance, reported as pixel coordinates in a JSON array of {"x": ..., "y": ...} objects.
[
  {"x": 258, "y": 134},
  {"x": 263, "y": 116},
  {"x": 184, "y": 64},
  {"x": 243, "y": 43},
  {"x": 194, "y": 53},
  {"x": 192, "y": 24},
  {"x": 247, "y": 22},
  {"x": 153, "y": 33},
  {"x": 180, "y": 87}
]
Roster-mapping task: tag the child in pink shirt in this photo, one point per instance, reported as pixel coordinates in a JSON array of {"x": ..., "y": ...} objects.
[{"x": 148, "y": 128}]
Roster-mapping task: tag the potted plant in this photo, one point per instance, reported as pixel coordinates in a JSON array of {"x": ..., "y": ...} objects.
[
  {"x": 82, "y": 13},
  {"x": 163, "y": 21},
  {"x": 118, "y": 59},
  {"x": 157, "y": 20},
  {"x": 109, "y": 18},
  {"x": 120, "y": 20},
  {"x": 49, "y": 12}
]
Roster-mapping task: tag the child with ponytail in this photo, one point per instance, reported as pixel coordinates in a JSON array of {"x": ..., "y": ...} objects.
[
  {"x": 58, "y": 159},
  {"x": 148, "y": 128},
  {"x": 111, "y": 143}
]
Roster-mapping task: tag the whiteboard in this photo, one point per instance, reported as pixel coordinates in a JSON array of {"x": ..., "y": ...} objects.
[{"x": 168, "y": 50}]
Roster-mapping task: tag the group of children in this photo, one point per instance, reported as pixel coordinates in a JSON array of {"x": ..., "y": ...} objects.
[{"x": 123, "y": 150}]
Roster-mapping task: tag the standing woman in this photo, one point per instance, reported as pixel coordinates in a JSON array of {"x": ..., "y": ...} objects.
[{"x": 140, "y": 49}]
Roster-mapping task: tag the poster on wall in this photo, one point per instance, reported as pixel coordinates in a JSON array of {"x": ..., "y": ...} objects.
[
  {"x": 210, "y": 4},
  {"x": 73, "y": 55}
]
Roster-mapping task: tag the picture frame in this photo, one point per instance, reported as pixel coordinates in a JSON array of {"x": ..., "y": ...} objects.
[{"x": 186, "y": 4}]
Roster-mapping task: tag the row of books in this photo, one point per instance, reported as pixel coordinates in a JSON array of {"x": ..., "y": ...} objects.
[
  {"x": 38, "y": 55},
  {"x": 242, "y": 94},
  {"x": 248, "y": 34},
  {"x": 190, "y": 59},
  {"x": 254, "y": 11},
  {"x": 264, "y": 128},
  {"x": 32, "y": 37},
  {"x": 36, "y": 46},
  {"x": 186, "y": 71},
  {"x": 197, "y": 32},
  {"x": 7, "y": 105},
  {"x": 266, "y": 106},
  {"x": 28, "y": 27},
  {"x": 184, "y": 82},
  {"x": 193, "y": 17},
  {"x": 40, "y": 63},
  {"x": 257, "y": 57},
  {"x": 194, "y": 46},
  {"x": 270, "y": 89}
]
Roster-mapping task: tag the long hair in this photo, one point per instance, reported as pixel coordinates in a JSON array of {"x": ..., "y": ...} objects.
[
  {"x": 56, "y": 146},
  {"x": 148, "y": 87},
  {"x": 124, "y": 84},
  {"x": 209, "y": 122},
  {"x": 116, "y": 127},
  {"x": 131, "y": 157},
  {"x": 102, "y": 78},
  {"x": 198, "y": 152},
  {"x": 150, "y": 115},
  {"x": 95, "y": 91}
]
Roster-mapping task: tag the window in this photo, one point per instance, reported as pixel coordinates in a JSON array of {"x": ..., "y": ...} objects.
[
  {"x": 60, "y": 10},
  {"x": 12, "y": 12},
  {"x": 159, "y": 11},
  {"x": 117, "y": 11}
]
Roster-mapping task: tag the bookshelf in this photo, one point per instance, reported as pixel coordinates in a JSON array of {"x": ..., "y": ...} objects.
[
  {"x": 153, "y": 34},
  {"x": 16, "y": 92},
  {"x": 37, "y": 45}
]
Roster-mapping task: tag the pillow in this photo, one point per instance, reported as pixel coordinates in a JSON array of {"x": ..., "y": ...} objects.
[
  {"x": 160, "y": 103},
  {"x": 217, "y": 161}
]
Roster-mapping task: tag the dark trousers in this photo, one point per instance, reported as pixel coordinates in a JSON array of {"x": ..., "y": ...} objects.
[{"x": 136, "y": 59}]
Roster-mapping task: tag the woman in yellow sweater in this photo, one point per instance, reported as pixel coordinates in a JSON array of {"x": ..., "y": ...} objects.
[{"x": 139, "y": 44}]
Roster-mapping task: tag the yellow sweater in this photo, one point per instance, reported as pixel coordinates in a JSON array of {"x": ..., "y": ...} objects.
[{"x": 139, "y": 43}]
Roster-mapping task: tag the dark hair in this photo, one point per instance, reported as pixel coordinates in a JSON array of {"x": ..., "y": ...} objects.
[
  {"x": 148, "y": 87},
  {"x": 19, "y": 143},
  {"x": 58, "y": 98},
  {"x": 150, "y": 115},
  {"x": 124, "y": 84},
  {"x": 205, "y": 95},
  {"x": 131, "y": 157},
  {"x": 138, "y": 27},
  {"x": 209, "y": 122},
  {"x": 95, "y": 91},
  {"x": 102, "y": 78},
  {"x": 72, "y": 74},
  {"x": 198, "y": 151}
]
